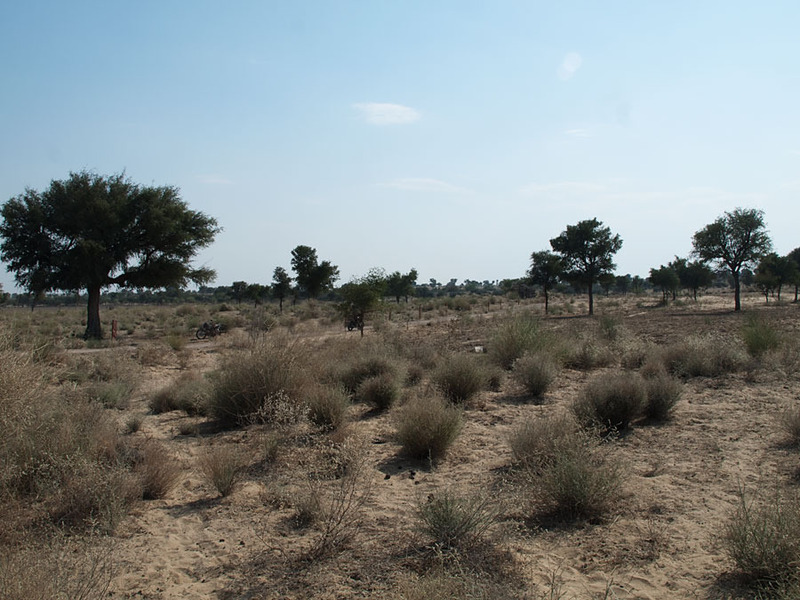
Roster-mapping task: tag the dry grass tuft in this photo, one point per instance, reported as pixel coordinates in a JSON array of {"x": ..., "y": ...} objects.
[
  {"x": 222, "y": 466},
  {"x": 427, "y": 427},
  {"x": 536, "y": 373},
  {"x": 611, "y": 401},
  {"x": 460, "y": 378}
]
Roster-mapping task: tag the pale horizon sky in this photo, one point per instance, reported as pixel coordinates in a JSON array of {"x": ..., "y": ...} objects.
[{"x": 456, "y": 137}]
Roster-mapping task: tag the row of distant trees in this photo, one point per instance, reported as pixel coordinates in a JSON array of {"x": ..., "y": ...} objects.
[{"x": 91, "y": 233}]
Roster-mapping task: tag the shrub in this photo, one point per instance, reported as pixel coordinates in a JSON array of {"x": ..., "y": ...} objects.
[
  {"x": 579, "y": 480},
  {"x": 789, "y": 422},
  {"x": 157, "y": 470},
  {"x": 513, "y": 339},
  {"x": 327, "y": 407},
  {"x": 190, "y": 393},
  {"x": 763, "y": 538},
  {"x": 611, "y": 401},
  {"x": 703, "y": 357},
  {"x": 246, "y": 380},
  {"x": 427, "y": 427},
  {"x": 457, "y": 522},
  {"x": 459, "y": 378},
  {"x": 111, "y": 394},
  {"x": 381, "y": 391},
  {"x": 222, "y": 466},
  {"x": 663, "y": 392},
  {"x": 535, "y": 372},
  {"x": 353, "y": 376},
  {"x": 759, "y": 337},
  {"x": 536, "y": 442},
  {"x": 587, "y": 355}
]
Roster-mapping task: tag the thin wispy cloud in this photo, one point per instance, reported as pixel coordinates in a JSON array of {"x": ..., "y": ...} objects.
[
  {"x": 569, "y": 66},
  {"x": 420, "y": 184},
  {"x": 383, "y": 113},
  {"x": 214, "y": 180},
  {"x": 581, "y": 133}
]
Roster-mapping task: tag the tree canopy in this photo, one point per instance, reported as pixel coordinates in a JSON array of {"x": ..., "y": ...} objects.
[
  {"x": 546, "y": 270},
  {"x": 587, "y": 250},
  {"x": 362, "y": 295},
  {"x": 735, "y": 240},
  {"x": 90, "y": 232},
  {"x": 312, "y": 276},
  {"x": 281, "y": 285},
  {"x": 399, "y": 285},
  {"x": 666, "y": 280}
]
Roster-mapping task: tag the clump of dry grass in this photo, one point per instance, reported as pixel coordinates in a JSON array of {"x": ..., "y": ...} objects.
[
  {"x": 158, "y": 472},
  {"x": 190, "y": 392},
  {"x": 789, "y": 422},
  {"x": 514, "y": 338},
  {"x": 427, "y": 426},
  {"x": 535, "y": 373},
  {"x": 536, "y": 441},
  {"x": 222, "y": 466},
  {"x": 381, "y": 391},
  {"x": 663, "y": 393},
  {"x": 611, "y": 401},
  {"x": 246, "y": 381},
  {"x": 709, "y": 356},
  {"x": 459, "y": 378},
  {"x": 454, "y": 521},
  {"x": 327, "y": 406},
  {"x": 353, "y": 375}
]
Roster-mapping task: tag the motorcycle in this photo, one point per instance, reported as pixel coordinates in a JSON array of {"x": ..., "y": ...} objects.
[{"x": 209, "y": 329}]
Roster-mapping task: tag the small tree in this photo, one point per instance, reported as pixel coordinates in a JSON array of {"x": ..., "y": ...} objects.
[
  {"x": 399, "y": 285},
  {"x": 693, "y": 275},
  {"x": 774, "y": 271},
  {"x": 735, "y": 240},
  {"x": 313, "y": 277},
  {"x": 281, "y": 285},
  {"x": 362, "y": 295},
  {"x": 546, "y": 271},
  {"x": 794, "y": 256},
  {"x": 238, "y": 291},
  {"x": 90, "y": 232},
  {"x": 665, "y": 279},
  {"x": 587, "y": 250},
  {"x": 257, "y": 293}
]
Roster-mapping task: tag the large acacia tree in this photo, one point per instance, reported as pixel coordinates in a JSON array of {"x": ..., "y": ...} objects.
[
  {"x": 587, "y": 250},
  {"x": 735, "y": 240},
  {"x": 90, "y": 232}
]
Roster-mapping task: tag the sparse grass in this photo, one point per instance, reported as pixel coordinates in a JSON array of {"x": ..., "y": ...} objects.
[
  {"x": 454, "y": 521},
  {"x": 133, "y": 423},
  {"x": 427, "y": 427},
  {"x": 611, "y": 401},
  {"x": 762, "y": 538},
  {"x": 460, "y": 378},
  {"x": 535, "y": 373},
  {"x": 222, "y": 466}
]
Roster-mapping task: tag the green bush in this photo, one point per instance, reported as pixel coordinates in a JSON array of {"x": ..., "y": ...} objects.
[
  {"x": 611, "y": 401},
  {"x": 514, "y": 338},
  {"x": 456, "y": 522},
  {"x": 535, "y": 372},
  {"x": 763, "y": 538},
  {"x": 427, "y": 427},
  {"x": 459, "y": 378},
  {"x": 381, "y": 391},
  {"x": 759, "y": 337},
  {"x": 663, "y": 393}
]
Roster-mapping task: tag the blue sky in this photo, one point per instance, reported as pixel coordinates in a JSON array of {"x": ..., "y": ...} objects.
[{"x": 456, "y": 137}]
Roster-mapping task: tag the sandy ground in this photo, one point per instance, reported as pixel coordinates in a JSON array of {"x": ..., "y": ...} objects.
[{"x": 661, "y": 541}]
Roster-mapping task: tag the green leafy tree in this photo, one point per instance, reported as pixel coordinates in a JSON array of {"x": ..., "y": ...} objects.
[
  {"x": 587, "y": 250},
  {"x": 693, "y": 275},
  {"x": 622, "y": 284},
  {"x": 735, "y": 241},
  {"x": 90, "y": 232},
  {"x": 281, "y": 285},
  {"x": 794, "y": 256},
  {"x": 775, "y": 271},
  {"x": 399, "y": 285},
  {"x": 238, "y": 291},
  {"x": 362, "y": 295},
  {"x": 666, "y": 280},
  {"x": 546, "y": 271},
  {"x": 312, "y": 276},
  {"x": 256, "y": 293}
]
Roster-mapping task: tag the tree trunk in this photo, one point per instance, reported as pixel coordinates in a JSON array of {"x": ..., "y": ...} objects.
[
  {"x": 546, "y": 301},
  {"x": 737, "y": 302},
  {"x": 591, "y": 300},
  {"x": 93, "y": 329}
]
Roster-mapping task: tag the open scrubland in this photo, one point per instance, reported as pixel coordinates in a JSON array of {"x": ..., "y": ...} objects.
[{"x": 463, "y": 448}]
